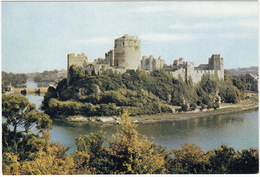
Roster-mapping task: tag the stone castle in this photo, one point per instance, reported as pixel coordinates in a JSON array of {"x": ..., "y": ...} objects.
[{"x": 127, "y": 56}]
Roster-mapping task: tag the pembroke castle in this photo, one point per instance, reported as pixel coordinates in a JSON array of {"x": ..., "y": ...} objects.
[{"x": 126, "y": 55}]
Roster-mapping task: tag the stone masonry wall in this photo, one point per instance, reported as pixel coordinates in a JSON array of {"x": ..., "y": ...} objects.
[
  {"x": 127, "y": 52},
  {"x": 79, "y": 60}
]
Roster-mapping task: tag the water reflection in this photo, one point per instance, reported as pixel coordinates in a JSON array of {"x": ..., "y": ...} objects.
[{"x": 239, "y": 131}]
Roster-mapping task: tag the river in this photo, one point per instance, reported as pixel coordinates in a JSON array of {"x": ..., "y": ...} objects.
[{"x": 237, "y": 130}]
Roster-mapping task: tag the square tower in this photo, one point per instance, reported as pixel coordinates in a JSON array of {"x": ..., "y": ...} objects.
[
  {"x": 79, "y": 60},
  {"x": 216, "y": 63}
]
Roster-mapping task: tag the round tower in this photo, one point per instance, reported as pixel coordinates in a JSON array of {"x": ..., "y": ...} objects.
[{"x": 127, "y": 52}]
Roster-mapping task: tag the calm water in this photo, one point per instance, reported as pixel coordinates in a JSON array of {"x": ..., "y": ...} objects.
[{"x": 238, "y": 130}]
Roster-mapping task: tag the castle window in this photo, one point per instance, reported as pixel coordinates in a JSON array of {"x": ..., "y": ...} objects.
[{"x": 123, "y": 43}]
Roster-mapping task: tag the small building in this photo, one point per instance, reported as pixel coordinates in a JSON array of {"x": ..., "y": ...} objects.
[{"x": 251, "y": 81}]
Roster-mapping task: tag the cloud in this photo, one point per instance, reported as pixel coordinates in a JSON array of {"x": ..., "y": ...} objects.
[
  {"x": 166, "y": 37},
  {"x": 243, "y": 24},
  {"x": 188, "y": 26},
  {"x": 235, "y": 36},
  {"x": 97, "y": 40},
  {"x": 206, "y": 9}
]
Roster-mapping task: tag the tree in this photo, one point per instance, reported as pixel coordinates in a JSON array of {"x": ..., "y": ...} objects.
[
  {"x": 191, "y": 159},
  {"x": 133, "y": 153},
  {"x": 184, "y": 107},
  {"x": 19, "y": 117},
  {"x": 91, "y": 156},
  {"x": 246, "y": 162},
  {"x": 49, "y": 159},
  {"x": 16, "y": 80},
  {"x": 221, "y": 159},
  {"x": 75, "y": 73},
  {"x": 239, "y": 84},
  {"x": 193, "y": 106}
]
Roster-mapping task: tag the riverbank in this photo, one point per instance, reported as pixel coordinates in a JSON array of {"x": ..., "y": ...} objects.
[{"x": 225, "y": 108}]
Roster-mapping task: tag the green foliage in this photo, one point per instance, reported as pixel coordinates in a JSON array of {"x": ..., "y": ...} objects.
[
  {"x": 139, "y": 92},
  {"x": 239, "y": 84},
  {"x": 222, "y": 159},
  {"x": 91, "y": 155},
  {"x": 246, "y": 162},
  {"x": 19, "y": 117},
  {"x": 25, "y": 139},
  {"x": 191, "y": 159},
  {"x": 215, "y": 106},
  {"x": 45, "y": 78},
  {"x": 48, "y": 159},
  {"x": 184, "y": 107},
  {"x": 193, "y": 106},
  {"x": 16, "y": 80},
  {"x": 106, "y": 110},
  {"x": 127, "y": 152},
  {"x": 75, "y": 73}
]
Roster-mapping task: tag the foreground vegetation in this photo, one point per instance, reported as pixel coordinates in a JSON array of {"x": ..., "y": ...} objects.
[
  {"x": 140, "y": 93},
  {"x": 27, "y": 150}
]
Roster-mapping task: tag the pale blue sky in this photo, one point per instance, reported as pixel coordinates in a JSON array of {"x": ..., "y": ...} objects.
[{"x": 37, "y": 36}]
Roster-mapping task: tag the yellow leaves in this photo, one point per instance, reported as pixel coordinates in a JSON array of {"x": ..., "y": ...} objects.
[
  {"x": 81, "y": 158},
  {"x": 10, "y": 164},
  {"x": 134, "y": 150},
  {"x": 47, "y": 165}
]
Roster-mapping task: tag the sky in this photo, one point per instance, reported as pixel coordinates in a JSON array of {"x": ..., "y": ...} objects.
[{"x": 37, "y": 36}]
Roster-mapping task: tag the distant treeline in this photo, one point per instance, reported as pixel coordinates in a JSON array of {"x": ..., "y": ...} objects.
[
  {"x": 139, "y": 92},
  {"x": 16, "y": 80},
  {"x": 27, "y": 152},
  {"x": 242, "y": 71},
  {"x": 46, "y": 78}
]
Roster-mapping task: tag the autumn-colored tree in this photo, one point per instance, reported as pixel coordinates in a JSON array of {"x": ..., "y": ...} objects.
[
  {"x": 191, "y": 159},
  {"x": 26, "y": 146},
  {"x": 50, "y": 159},
  {"x": 133, "y": 153}
]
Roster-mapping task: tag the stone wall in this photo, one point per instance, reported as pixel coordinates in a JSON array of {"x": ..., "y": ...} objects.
[
  {"x": 127, "y": 52},
  {"x": 126, "y": 55},
  {"x": 217, "y": 63},
  {"x": 109, "y": 56},
  {"x": 79, "y": 60},
  {"x": 186, "y": 70},
  {"x": 150, "y": 63}
]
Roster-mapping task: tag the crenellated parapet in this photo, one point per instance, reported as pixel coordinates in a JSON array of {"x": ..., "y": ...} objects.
[{"x": 126, "y": 55}]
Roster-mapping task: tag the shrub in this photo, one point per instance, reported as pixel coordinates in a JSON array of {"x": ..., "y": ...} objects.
[
  {"x": 215, "y": 106},
  {"x": 193, "y": 106},
  {"x": 184, "y": 107}
]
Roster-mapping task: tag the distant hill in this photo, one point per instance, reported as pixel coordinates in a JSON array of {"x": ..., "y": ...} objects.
[{"x": 238, "y": 71}]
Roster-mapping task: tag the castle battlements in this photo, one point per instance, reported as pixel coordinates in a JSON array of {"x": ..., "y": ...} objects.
[{"x": 126, "y": 55}]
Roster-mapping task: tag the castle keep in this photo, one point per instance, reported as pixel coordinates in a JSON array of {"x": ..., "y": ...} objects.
[
  {"x": 126, "y": 55},
  {"x": 127, "y": 52}
]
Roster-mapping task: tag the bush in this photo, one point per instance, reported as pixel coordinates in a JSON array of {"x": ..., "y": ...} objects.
[
  {"x": 107, "y": 110},
  {"x": 210, "y": 105},
  {"x": 215, "y": 106},
  {"x": 203, "y": 106},
  {"x": 184, "y": 107},
  {"x": 193, "y": 106}
]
